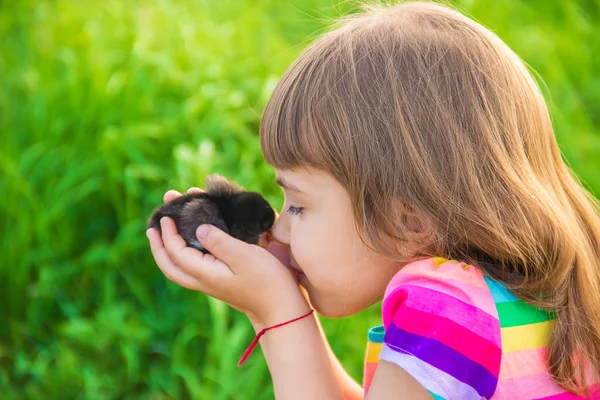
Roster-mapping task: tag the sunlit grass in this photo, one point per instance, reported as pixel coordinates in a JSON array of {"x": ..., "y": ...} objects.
[{"x": 107, "y": 104}]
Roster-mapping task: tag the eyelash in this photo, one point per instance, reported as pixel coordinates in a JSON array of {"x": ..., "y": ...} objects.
[{"x": 294, "y": 210}]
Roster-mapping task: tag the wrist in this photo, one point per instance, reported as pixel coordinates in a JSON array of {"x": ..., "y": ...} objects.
[
  {"x": 291, "y": 308},
  {"x": 262, "y": 327}
]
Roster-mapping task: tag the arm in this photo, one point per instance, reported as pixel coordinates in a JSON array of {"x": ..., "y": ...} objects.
[
  {"x": 298, "y": 357},
  {"x": 340, "y": 379},
  {"x": 311, "y": 359},
  {"x": 351, "y": 389}
]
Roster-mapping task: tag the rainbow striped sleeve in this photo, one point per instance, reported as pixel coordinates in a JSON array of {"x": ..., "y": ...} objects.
[{"x": 442, "y": 327}]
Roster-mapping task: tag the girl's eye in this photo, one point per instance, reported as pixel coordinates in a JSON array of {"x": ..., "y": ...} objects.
[{"x": 294, "y": 210}]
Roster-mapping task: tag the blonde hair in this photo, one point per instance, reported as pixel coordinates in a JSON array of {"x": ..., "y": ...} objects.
[{"x": 418, "y": 105}]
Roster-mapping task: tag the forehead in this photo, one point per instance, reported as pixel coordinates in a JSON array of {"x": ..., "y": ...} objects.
[
  {"x": 310, "y": 182},
  {"x": 301, "y": 178}
]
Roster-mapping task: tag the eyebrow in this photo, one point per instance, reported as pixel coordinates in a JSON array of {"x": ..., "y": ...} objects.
[{"x": 288, "y": 186}]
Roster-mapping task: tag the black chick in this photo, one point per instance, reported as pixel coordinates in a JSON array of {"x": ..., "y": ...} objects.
[{"x": 243, "y": 215}]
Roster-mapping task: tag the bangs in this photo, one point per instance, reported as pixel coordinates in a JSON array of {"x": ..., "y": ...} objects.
[{"x": 298, "y": 126}]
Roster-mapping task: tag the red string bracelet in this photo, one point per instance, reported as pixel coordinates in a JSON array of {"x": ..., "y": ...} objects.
[{"x": 262, "y": 332}]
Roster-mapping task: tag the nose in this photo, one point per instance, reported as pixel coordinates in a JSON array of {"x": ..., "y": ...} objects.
[{"x": 281, "y": 228}]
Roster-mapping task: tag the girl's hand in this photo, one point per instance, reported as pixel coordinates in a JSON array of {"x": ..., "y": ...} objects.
[{"x": 248, "y": 277}]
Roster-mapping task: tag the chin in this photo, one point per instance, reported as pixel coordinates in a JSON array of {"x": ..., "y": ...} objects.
[{"x": 329, "y": 310}]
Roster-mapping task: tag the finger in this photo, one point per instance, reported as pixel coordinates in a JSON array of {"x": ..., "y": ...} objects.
[
  {"x": 169, "y": 270},
  {"x": 172, "y": 241},
  {"x": 171, "y": 195},
  {"x": 204, "y": 267},
  {"x": 224, "y": 247}
]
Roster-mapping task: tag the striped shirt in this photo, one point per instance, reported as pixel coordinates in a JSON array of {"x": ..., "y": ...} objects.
[{"x": 463, "y": 336}]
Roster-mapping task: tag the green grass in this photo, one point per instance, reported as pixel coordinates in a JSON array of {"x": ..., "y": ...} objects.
[{"x": 107, "y": 104}]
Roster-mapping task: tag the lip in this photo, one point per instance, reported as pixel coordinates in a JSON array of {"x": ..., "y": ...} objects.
[
  {"x": 296, "y": 270},
  {"x": 300, "y": 276},
  {"x": 295, "y": 267},
  {"x": 299, "y": 273}
]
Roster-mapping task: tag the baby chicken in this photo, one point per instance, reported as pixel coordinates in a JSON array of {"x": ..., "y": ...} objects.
[{"x": 243, "y": 215}]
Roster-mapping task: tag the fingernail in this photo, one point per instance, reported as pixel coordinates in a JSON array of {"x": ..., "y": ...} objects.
[
  {"x": 148, "y": 233},
  {"x": 202, "y": 231}
]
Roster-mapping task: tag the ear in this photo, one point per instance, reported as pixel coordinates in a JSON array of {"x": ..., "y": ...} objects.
[{"x": 418, "y": 226}]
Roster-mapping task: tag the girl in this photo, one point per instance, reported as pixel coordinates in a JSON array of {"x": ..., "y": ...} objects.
[{"x": 405, "y": 139}]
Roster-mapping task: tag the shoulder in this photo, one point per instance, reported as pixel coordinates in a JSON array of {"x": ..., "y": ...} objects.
[
  {"x": 430, "y": 282},
  {"x": 442, "y": 328}
]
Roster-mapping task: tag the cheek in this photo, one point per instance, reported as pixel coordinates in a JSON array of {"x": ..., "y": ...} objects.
[
  {"x": 344, "y": 277},
  {"x": 323, "y": 254},
  {"x": 308, "y": 248}
]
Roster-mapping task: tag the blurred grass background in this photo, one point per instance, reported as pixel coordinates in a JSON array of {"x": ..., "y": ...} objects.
[{"x": 106, "y": 104}]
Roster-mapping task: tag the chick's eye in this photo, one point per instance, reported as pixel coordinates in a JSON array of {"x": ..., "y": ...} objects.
[{"x": 294, "y": 210}]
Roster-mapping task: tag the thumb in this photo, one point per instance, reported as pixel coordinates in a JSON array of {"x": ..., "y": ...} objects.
[{"x": 224, "y": 247}]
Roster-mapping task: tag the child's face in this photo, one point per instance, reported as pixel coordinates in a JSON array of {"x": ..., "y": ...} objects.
[{"x": 341, "y": 275}]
